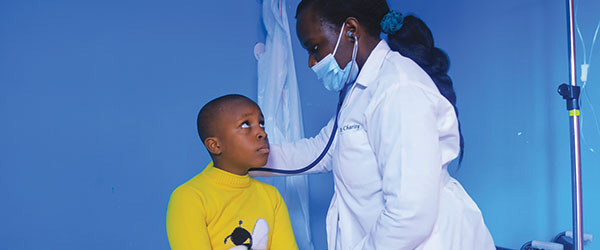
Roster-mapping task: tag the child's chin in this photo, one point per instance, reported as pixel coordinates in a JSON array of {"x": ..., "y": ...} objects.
[
  {"x": 262, "y": 164},
  {"x": 263, "y": 161}
]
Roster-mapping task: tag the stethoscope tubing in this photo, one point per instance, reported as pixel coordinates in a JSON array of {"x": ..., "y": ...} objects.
[
  {"x": 335, "y": 124},
  {"x": 323, "y": 153}
]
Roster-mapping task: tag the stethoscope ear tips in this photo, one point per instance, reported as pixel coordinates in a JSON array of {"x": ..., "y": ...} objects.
[{"x": 351, "y": 35}]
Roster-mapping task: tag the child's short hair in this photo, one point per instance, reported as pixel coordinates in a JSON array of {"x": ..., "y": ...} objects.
[{"x": 209, "y": 114}]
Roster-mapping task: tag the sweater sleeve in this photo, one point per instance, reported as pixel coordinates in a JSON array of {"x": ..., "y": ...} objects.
[
  {"x": 283, "y": 236},
  {"x": 186, "y": 223}
]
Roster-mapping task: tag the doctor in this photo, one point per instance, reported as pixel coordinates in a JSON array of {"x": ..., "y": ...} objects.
[{"x": 396, "y": 133}]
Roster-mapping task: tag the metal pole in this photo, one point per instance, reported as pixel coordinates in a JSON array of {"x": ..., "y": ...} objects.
[{"x": 575, "y": 144}]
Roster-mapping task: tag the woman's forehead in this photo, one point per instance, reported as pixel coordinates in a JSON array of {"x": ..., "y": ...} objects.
[
  {"x": 311, "y": 26},
  {"x": 308, "y": 23}
]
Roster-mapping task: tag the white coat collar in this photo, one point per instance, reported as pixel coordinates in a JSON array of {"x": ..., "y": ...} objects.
[{"x": 370, "y": 69}]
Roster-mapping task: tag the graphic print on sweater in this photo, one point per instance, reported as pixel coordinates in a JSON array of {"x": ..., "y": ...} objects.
[{"x": 243, "y": 240}]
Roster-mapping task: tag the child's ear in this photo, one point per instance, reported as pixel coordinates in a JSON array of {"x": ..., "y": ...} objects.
[{"x": 213, "y": 145}]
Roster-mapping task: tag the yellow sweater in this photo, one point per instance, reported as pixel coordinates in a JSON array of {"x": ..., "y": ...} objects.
[{"x": 220, "y": 210}]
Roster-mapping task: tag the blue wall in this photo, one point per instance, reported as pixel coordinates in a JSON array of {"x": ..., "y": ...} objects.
[
  {"x": 98, "y": 104},
  {"x": 507, "y": 60}
]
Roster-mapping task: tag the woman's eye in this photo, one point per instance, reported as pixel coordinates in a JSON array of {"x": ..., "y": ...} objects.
[
  {"x": 245, "y": 125},
  {"x": 315, "y": 48},
  {"x": 261, "y": 124}
]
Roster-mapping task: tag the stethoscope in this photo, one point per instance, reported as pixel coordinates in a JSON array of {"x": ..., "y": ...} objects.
[{"x": 342, "y": 96}]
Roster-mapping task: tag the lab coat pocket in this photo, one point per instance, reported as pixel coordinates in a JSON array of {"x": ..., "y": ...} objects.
[{"x": 358, "y": 166}]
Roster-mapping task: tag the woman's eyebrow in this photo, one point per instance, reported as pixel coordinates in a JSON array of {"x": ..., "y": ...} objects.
[{"x": 305, "y": 44}]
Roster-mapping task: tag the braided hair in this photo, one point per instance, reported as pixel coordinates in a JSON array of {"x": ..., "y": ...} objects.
[{"x": 413, "y": 40}]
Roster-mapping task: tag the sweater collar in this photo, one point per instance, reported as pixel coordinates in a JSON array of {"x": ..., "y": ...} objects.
[{"x": 223, "y": 177}]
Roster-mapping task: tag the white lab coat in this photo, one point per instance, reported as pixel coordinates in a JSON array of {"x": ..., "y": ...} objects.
[{"x": 396, "y": 136}]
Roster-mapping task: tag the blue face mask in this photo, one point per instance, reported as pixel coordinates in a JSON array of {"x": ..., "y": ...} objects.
[{"x": 329, "y": 72}]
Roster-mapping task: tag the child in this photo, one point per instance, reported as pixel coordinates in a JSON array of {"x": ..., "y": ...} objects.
[{"x": 218, "y": 208}]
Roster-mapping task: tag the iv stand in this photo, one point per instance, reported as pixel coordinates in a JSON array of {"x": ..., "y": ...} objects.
[{"x": 571, "y": 94}]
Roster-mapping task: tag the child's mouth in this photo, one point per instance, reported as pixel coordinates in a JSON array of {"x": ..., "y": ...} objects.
[{"x": 264, "y": 149}]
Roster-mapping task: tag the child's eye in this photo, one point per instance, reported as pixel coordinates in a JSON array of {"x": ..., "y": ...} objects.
[
  {"x": 261, "y": 124},
  {"x": 245, "y": 124}
]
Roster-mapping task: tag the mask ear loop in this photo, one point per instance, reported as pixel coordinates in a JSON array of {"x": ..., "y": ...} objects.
[{"x": 339, "y": 39}]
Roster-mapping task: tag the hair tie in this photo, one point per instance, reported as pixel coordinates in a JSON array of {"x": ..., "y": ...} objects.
[{"x": 392, "y": 22}]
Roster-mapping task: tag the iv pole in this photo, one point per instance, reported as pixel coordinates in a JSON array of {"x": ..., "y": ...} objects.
[{"x": 571, "y": 94}]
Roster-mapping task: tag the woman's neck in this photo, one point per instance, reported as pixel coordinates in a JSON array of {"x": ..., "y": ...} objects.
[{"x": 365, "y": 47}]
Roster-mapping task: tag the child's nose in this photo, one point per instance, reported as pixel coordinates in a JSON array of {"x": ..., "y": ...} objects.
[{"x": 261, "y": 135}]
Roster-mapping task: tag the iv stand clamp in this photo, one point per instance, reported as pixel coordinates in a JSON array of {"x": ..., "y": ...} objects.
[{"x": 571, "y": 94}]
